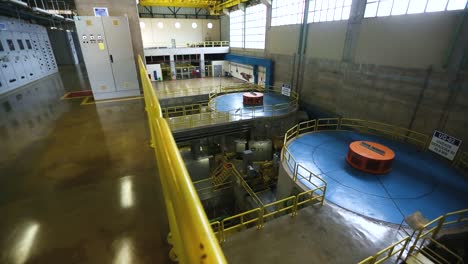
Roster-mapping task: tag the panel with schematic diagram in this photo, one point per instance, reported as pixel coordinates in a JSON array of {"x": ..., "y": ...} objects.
[
  {"x": 24, "y": 53},
  {"x": 108, "y": 54}
]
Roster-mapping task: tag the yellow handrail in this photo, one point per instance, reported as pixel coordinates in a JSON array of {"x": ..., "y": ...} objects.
[
  {"x": 279, "y": 208},
  {"x": 181, "y": 117},
  {"x": 191, "y": 235},
  {"x": 243, "y": 221},
  {"x": 387, "y": 252},
  {"x": 433, "y": 255},
  {"x": 428, "y": 232}
]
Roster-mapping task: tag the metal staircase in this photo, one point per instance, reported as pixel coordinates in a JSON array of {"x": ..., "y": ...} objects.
[{"x": 221, "y": 174}]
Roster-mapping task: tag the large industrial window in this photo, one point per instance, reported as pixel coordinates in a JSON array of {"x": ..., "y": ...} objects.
[
  {"x": 287, "y": 12},
  {"x": 236, "y": 30},
  {"x": 255, "y": 26},
  {"x": 401, "y": 7},
  {"x": 328, "y": 10}
]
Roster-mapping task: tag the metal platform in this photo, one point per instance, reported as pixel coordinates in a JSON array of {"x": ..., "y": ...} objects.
[
  {"x": 273, "y": 105},
  {"x": 417, "y": 181}
]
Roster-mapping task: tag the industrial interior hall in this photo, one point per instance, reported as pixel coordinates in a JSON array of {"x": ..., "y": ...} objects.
[{"x": 233, "y": 131}]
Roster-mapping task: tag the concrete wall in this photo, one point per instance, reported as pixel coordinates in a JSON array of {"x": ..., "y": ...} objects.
[
  {"x": 411, "y": 41},
  {"x": 283, "y": 40},
  {"x": 126, "y": 8},
  {"x": 153, "y": 36},
  {"x": 224, "y": 24},
  {"x": 326, "y": 40},
  {"x": 388, "y": 78}
]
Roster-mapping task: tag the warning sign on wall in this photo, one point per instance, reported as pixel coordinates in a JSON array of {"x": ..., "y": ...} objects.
[
  {"x": 444, "y": 145},
  {"x": 286, "y": 89}
]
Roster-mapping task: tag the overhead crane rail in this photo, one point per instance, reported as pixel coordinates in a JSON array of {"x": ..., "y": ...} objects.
[{"x": 214, "y": 6}]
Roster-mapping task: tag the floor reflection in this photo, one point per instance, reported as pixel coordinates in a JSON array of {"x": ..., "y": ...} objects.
[
  {"x": 24, "y": 244},
  {"x": 125, "y": 252},
  {"x": 28, "y": 113}
]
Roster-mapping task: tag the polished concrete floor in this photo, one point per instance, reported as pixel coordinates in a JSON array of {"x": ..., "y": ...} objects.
[
  {"x": 418, "y": 180},
  {"x": 78, "y": 184},
  {"x": 316, "y": 235},
  {"x": 191, "y": 87}
]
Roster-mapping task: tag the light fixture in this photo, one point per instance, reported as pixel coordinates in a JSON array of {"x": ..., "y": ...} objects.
[
  {"x": 177, "y": 25},
  {"x": 142, "y": 24},
  {"x": 160, "y": 24},
  {"x": 210, "y": 25},
  {"x": 194, "y": 25}
]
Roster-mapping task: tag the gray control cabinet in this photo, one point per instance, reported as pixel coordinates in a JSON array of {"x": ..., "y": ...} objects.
[
  {"x": 108, "y": 55},
  {"x": 25, "y": 53}
]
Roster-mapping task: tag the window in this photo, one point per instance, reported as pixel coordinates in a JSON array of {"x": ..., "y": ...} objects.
[
  {"x": 287, "y": 12},
  {"x": 236, "y": 34},
  {"x": 255, "y": 26},
  {"x": 1, "y": 46},
  {"x": 11, "y": 45},
  {"x": 328, "y": 10},
  {"x": 28, "y": 43},
  {"x": 401, "y": 7},
  {"x": 20, "y": 43}
]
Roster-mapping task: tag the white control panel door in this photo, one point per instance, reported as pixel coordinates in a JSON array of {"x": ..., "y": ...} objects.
[
  {"x": 33, "y": 60},
  {"x": 14, "y": 56},
  {"x": 118, "y": 38},
  {"x": 95, "y": 54}
]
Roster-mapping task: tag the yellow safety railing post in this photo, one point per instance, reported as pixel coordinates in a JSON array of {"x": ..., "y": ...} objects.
[{"x": 191, "y": 235}]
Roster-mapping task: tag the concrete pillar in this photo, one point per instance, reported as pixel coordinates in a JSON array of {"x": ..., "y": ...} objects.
[
  {"x": 118, "y": 8},
  {"x": 195, "y": 148},
  {"x": 223, "y": 144},
  {"x": 458, "y": 55},
  {"x": 202, "y": 65},
  {"x": 356, "y": 15},
  {"x": 173, "y": 69},
  {"x": 255, "y": 74},
  {"x": 301, "y": 49}
]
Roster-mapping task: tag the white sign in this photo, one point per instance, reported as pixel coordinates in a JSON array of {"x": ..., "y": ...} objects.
[
  {"x": 286, "y": 90},
  {"x": 101, "y": 11},
  {"x": 444, "y": 145}
]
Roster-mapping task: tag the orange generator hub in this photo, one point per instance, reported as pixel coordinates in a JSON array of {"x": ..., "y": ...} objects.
[
  {"x": 370, "y": 157},
  {"x": 253, "y": 98}
]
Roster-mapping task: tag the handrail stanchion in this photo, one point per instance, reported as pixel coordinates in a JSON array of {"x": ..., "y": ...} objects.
[{"x": 191, "y": 235}]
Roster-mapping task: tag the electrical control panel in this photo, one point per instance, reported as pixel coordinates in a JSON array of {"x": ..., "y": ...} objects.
[
  {"x": 25, "y": 53},
  {"x": 108, "y": 54}
]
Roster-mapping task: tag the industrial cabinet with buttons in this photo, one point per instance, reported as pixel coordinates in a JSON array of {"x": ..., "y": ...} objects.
[
  {"x": 108, "y": 55},
  {"x": 24, "y": 53}
]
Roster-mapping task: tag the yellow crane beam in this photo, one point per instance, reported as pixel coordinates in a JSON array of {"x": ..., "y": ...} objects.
[
  {"x": 215, "y": 6},
  {"x": 181, "y": 3}
]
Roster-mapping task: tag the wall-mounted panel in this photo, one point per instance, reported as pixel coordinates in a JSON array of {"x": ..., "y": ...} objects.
[{"x": 23, "y": 51}]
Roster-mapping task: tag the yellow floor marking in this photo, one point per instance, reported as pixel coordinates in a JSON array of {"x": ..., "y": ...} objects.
[{"x": 88, "y": 100}]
